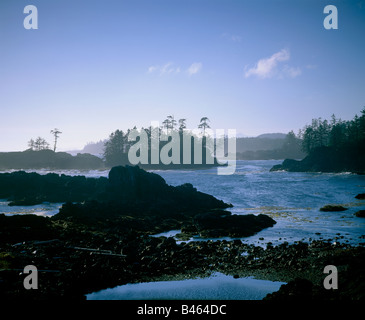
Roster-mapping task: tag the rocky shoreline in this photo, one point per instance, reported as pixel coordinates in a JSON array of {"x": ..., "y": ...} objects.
[
  {"x": 103, "y": 239},
  {"x": 74, "y": 260}
]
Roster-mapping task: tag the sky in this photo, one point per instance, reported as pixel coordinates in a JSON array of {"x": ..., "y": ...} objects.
[{"x": 92, "y": 67}]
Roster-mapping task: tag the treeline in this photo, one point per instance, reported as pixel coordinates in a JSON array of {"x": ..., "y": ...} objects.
[
  {"x": 335, "y": 133},
  {"x": 332, "y": 146},
  {"x": 117, "y": 147}
]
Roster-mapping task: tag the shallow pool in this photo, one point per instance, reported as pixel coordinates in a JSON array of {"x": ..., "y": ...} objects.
[{"x": 216, "y": 287}]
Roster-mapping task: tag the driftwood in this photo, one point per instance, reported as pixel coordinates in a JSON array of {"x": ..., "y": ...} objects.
[{"x": 98, "y": 251}]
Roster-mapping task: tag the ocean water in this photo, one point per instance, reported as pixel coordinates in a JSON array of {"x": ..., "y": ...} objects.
[{"x": 293, "y": 200}]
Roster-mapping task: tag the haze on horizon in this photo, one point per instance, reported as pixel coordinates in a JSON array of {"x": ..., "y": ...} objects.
[{"x": 95, "y": 66}]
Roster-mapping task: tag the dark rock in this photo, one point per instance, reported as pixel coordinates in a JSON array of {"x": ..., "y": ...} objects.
[
  {"x": 222, "y": 223},
  {"x": 332, "y": 208},
  {"x": 183, "y": 236},
  {"x": 131, "y": 183},
  {"x": 360, "y": 196},
  {"x": 48, "y": 159},
  {"x": 135, "y": 199},
  {"x": 24, "y": 227},
  {"x": 23, "y": 188},
  {"x": 360, "y": 213},
  {"x": 298, "y": 289}
]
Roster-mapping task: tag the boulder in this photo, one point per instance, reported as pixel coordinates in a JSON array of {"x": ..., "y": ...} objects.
[
  {"x": 131, "y": 183},
  {"x": 360, "y": 196},
  {"x": 223, "y": 224},
  {"x": 360, "y": 214},
  {"x": 332, "y": 208}
]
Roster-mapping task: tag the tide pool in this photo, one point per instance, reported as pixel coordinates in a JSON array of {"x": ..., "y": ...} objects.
[{"x": 216, "y": 287}]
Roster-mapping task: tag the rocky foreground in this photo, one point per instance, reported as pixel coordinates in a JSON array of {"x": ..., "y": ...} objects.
[{"x": 74, "y": 260}]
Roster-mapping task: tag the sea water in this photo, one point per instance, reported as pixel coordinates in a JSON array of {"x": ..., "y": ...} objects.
[{"x": 292, "y": 199}]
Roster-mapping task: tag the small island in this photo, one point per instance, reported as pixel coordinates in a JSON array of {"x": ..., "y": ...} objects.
[{"x": 335, "y": 146}]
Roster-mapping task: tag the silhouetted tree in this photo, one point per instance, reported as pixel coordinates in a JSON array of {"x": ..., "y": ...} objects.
[
  {"x": 40, "y": 144},
  {"x": 56, "y": 134},
  {"x": 31, "y": 144},
  {"x": 336, "y": 133},
  {"x": 182, "y": 124},
  {"x": 116, "y": 148},
  {"x": 172, "y": 122},
  {"x": 204, "y": 124}
]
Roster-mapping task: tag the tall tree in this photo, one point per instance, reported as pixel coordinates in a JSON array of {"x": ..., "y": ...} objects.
[
  {"x": 204, "y": 124},
  {"x": 116, "y": 148},
  {"x": 56, "y": 133},
  {"x": 166, "y": 124},
  {"x": 182, "y": 124},
  {"x": 172, "y": 122}
]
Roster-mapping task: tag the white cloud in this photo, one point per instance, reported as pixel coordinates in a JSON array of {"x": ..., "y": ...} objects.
[
  {"x": 152, "y": 69},
  {"x": 171, "y": 68},
  {"x": 292, "y": 72},
  {"x": 195, "y": 68},
  {"x": 265, "y": 68},
  {"x": 167, "y": 68}
]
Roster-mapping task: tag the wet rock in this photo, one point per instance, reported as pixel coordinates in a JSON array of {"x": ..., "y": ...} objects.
[
  {"x": 360, "y": 196},
  {"x": 182, "y": 236},
  {"x": 298, "y": 289},
  {"x": 332, "y": 208},
  {"x": 360, "y": 213},
  {"x": 23, "y": 188},
  {"x": 222, "y": 223},
  {"x": 25, "y": 227}
]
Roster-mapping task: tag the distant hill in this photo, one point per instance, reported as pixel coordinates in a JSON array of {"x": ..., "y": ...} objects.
[
  {"x": 94, "y": 148},
  {"x": 265, "y": 141},
  {"x": 272, "y": 136}
]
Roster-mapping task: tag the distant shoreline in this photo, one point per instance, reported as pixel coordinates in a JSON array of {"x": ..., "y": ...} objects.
[
  {"x": 327, "y": 159},
  {"x": 50, "y": 160}
]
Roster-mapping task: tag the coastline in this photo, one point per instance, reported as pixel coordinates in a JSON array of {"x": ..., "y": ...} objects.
[{"x": 93, "y": 256}]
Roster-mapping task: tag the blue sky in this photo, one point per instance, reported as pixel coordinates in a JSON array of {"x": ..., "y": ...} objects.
[{"x": 93, "y": 67}]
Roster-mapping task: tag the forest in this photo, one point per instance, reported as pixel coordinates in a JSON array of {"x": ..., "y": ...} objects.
[
  {"x": 335, "y": 133},
  {"x": 332, "y": 146}
]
